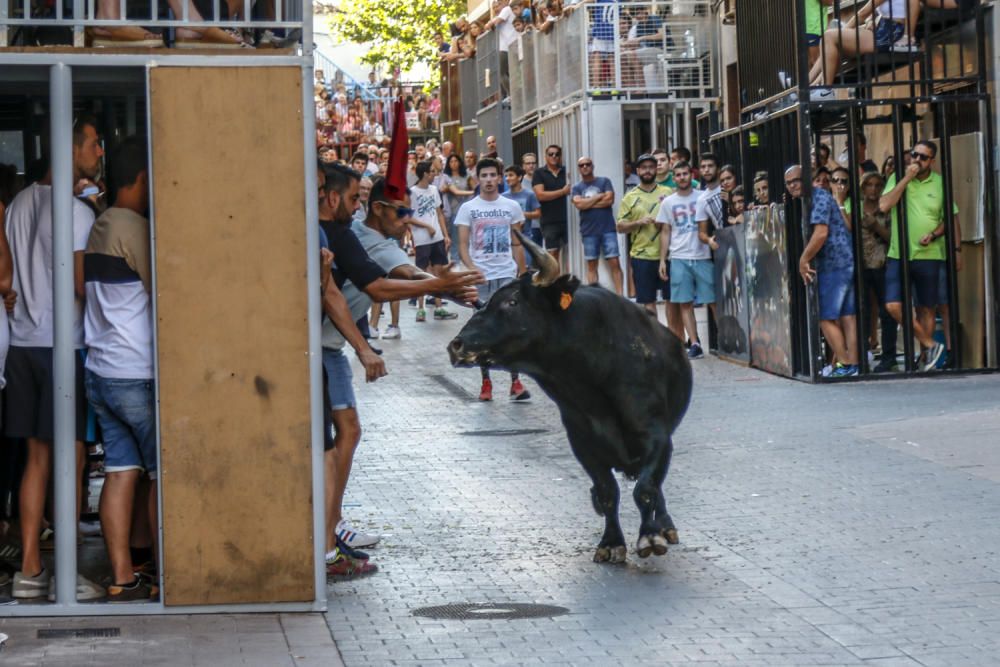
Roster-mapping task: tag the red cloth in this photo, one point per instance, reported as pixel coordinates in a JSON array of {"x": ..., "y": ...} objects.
[{"x": 395, "y": 177}]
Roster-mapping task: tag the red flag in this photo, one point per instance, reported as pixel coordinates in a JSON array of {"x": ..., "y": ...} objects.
[{"x": 395, "y": 176}]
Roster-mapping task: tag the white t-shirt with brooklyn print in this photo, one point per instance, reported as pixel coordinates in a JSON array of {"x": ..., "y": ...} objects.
[{"x": 489, "y": 224}]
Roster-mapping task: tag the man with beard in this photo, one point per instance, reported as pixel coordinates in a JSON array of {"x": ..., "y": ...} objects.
[
  {"x": 339, "y": 200},
  {"x": 637, "y": 218}
]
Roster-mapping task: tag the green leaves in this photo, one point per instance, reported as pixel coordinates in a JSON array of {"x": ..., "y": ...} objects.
[{"x": 398, "y": 33}]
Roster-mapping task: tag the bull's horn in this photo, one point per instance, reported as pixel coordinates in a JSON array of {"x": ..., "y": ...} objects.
[{"x": 546, "y": 263}]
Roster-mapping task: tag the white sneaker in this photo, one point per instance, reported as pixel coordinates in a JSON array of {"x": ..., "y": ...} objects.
[
  {"x": 90, "y": 528},
  {"x": 29, "y": 588},
  {"x": 784, "y": 80},
  {"x": 374, "y": 332},
  {"x": 86, "y": 590},
  {"x": 392, "y": 333},
  {"x": 822, "y": 95},
  {"x": 904, "y": 45},
  {"x": 353, "y": 538}
]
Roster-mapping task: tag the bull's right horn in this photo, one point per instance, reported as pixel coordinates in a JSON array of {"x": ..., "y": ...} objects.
[{"x": 548, "y": 267}]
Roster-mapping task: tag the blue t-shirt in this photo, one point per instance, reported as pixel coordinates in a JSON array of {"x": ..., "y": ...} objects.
[
  {"x": 528, "y": 202},
  {"x": 603, "y": 18},
  {"x": 594, "y": 221},
  {"x": 837, "y": 253}
]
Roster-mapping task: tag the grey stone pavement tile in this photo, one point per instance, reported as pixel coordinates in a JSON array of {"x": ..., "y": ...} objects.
[
  {"x": 808, "y": 535},
  {"x": 243, "y": 640}
]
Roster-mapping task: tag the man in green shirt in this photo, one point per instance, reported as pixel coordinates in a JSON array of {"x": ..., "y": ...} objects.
[
  {"x": 637, "y": 218},
  {"x": 926, "y": 248}
]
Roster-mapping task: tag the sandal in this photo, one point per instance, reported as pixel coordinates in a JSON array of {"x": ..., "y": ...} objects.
[
  {"x": 210, "y": 38},
  {"x": 122, "y": 36}
]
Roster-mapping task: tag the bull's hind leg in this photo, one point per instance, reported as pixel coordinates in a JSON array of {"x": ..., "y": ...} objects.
[
  {"x": 655, "y": 524},
  {"x": 606, "y": 495}
]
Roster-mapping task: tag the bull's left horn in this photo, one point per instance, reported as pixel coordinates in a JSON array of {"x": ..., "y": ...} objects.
[{"x": 548, "y": 267}]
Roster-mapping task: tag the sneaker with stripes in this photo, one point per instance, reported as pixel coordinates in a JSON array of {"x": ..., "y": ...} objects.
[{"x": 354, "y": 538}]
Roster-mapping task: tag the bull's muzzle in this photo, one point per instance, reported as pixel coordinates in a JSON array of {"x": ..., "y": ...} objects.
[{"x": 456, "y": 351}]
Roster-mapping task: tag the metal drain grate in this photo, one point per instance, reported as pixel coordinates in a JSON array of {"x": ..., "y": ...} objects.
[
  {"x": 485, "y": 611},
  {"x": 78, "y": 633},
  {"x": 453, "y": 388},
  {"x": 505, "y": 431}
]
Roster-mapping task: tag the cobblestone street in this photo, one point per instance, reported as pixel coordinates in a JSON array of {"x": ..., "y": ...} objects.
[{"x": 833, "y": 525}]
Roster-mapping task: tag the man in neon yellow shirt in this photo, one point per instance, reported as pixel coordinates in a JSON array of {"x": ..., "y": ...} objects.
[
  {"x": 637, "y": 218},
  {"x": 925, "y": 228}
]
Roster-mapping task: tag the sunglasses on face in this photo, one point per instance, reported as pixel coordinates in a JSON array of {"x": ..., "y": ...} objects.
[
  {"x": 923, "y": 157},
  {"x": 553, "y": 154},
  {"x": 401, "y": 211},
  {"x": 585, "y": 164},
  {"x": 839, "y": 181}
]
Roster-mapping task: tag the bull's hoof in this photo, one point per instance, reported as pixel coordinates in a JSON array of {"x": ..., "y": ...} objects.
[
  {"x": 672, "y": 537},
  {"x": 610, "y": 554},
  {"x": 651, "y": 544}
]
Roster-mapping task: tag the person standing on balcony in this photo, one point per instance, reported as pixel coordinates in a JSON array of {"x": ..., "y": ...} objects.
[
  {"x": 646, "y": 40},
  {"x": 594, "y": 196},
  {"x": 503, "y": 21},
  {"x": 551, "y": 188},
  {"x": 603, "y": 19}
]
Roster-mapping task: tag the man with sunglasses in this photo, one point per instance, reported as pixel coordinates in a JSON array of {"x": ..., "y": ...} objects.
[
  {"x": 594, "y": 196},
  {"x": 552, "y": 189},
  {"x": 338, "y": 200},
  {"x": 923, "y": 189},
  {"x": 830, "y": 245}
]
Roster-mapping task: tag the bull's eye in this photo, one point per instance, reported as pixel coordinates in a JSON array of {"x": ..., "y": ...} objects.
[{"x": 510, "y": 303}]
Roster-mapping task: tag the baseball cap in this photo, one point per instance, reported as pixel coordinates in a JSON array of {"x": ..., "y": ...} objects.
[{"x": 645, "y": 157}]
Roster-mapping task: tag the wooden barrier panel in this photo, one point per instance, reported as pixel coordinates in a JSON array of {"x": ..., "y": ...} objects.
[{"x": 232, "y": 334}]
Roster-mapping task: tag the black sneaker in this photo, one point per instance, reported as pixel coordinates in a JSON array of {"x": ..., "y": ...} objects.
[{"x": 140, "y": 590}]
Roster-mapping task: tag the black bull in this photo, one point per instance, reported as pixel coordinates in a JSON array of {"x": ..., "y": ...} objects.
[{"x": 621, "y": 380}]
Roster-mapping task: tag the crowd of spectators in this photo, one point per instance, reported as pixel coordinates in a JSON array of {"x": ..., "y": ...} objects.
[{"x": 359, "y": 117}]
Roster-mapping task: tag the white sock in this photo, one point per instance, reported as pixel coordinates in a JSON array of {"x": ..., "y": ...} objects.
[{"x": 330, "y": 555}]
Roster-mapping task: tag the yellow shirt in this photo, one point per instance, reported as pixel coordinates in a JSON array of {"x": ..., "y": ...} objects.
[{"x": 636, "y": 205}]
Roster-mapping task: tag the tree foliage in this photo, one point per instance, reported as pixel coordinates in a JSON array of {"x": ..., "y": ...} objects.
[{"x": 398, "y": 33}]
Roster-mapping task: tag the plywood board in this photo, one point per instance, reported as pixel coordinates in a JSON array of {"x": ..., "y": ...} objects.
[{"x": 232, "y": 334}]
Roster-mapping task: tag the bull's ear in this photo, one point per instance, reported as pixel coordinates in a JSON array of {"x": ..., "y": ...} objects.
[{"x": 560, "y": 292}]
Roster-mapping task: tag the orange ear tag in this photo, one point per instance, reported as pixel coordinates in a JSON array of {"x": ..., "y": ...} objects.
[{"x": 565, "y": 299}]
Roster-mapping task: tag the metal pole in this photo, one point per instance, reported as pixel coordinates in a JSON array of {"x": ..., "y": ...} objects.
[
  {"x": 315, "y": 352},
  {"x": 654, "y": 138},
  {"x": 64, "y": 312}
]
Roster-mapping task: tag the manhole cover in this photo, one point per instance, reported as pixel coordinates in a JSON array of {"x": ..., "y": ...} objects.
[
  {"x": 499, "y": 611},
  {"x": 505, "y": 431},
  {"x": 77, "y": 633}
]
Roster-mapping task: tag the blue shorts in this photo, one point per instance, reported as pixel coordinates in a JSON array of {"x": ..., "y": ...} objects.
[
  {"x": 925, "y": 281},
  {"x": 126, "y": 412},
  {"x": 490, "y": 287},
  {"x": 692, "y": 280},
  {"x": 887, "y": 33},
  {"x": 338, "y": 374},
  {"x": 836, "y": 294},
  {"x": 813, "y": 40},
  {"x": 601, "y": 244},
  {"x": 646, "y": 278}
]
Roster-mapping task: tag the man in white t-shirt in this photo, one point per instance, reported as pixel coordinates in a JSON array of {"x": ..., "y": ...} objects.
[
  {"x": 29, "y": 372},
  {"x": 690, "y": 268},
  {"x": 485, "y": 242},
  {"x": 430, "y": 232},
  {"x": 503, "y": 21}
]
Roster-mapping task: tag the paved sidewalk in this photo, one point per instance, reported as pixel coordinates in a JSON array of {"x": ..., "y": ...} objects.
[
  {"x": 808, "y": 535},
  {"x": 223, "y": 640}
]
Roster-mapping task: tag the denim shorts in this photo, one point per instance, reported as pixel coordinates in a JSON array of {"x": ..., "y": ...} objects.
[
  {"x": 338, "y": 374},
  {"x": 925, "y": 281},
  {"x": 692, "y": 280},
  {"x": 646, "y": 278},
  {"x": 813, "y": 40},
  {"x": 602, "y": 244},
  {"x": 126, "y": 413},
  {"x": 887, "y": 33},
  {"x": 836, "y": 294},
  {"x": 490, "y": 287}
]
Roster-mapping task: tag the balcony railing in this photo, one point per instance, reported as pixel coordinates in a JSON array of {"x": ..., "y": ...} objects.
[
  {"x": 78, "y": 23},
  {"x": 860, "y": 51},
  {"x": 615, "y": 48}
]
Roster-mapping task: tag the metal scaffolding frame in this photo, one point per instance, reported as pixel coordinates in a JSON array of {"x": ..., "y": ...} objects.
[{"x": 61, "y": 65}]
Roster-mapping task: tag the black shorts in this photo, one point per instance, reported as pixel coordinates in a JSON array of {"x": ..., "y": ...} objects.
[
  {"x": 327, "y": 415},
  {"x": 29, "y": 394},
  {"x": 647, "y": 281},
  {"x": 555, "y": 236},
  {"x": 432, "y": 254}
]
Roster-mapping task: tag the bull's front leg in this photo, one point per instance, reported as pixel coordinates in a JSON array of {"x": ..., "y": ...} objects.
[{"x": 606, "y": 496}]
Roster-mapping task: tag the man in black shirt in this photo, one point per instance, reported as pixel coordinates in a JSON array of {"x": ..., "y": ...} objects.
[
  {"x": 552, "y": 190},
  {"x": 339, "y": 199}
]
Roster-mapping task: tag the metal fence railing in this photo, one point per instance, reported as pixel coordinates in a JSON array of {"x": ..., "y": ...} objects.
[{"x": 78, "y": 22}]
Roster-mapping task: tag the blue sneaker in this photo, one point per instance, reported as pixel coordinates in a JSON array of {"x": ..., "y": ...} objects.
[
  {"x": 843, "y": 371},
  {"x": 932, "y": 356},
  {"x": 695, "y": 351}
]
